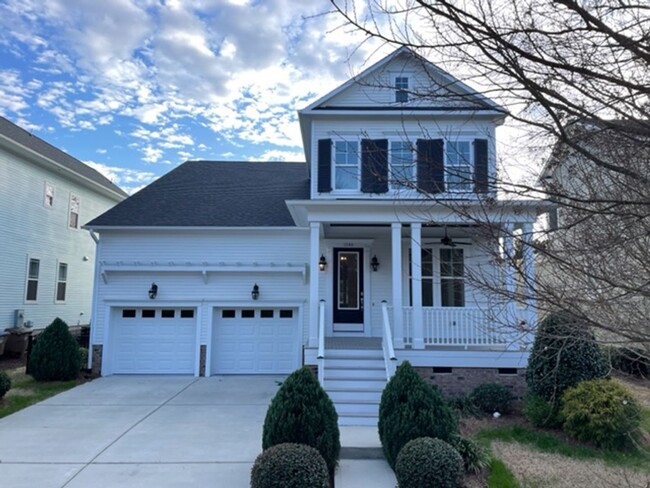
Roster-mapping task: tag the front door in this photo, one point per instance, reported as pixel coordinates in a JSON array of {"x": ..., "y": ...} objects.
[{"x": 348, "y": 289}]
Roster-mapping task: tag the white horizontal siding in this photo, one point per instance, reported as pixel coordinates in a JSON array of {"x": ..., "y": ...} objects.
[{"x": 29, "y": 229}]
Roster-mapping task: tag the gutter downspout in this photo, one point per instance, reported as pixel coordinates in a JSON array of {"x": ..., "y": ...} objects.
[{"x": 95, "y": 305}]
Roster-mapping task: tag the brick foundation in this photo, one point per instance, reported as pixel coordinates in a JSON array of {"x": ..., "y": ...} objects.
[
  {"x": 97, "y": 359},
  {"x": 202, "y": 358},
  {"x": 461, "y": 381}
]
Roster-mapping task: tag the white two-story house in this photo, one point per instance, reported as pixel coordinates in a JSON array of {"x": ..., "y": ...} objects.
[
  {"x": 350, "y": 263},
  {"x": 47, "y": 259}
]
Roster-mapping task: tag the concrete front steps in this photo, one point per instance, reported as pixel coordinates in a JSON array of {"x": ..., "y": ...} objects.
[{"x": 354, "y": 380}]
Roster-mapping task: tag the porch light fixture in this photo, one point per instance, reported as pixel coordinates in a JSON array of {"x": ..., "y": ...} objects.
[
  {"x": 374, "y": 262},
  {"x": 153, "y": 291},
  {"x": 256, "y": 292},
  {"x": 322, "y": 263}
]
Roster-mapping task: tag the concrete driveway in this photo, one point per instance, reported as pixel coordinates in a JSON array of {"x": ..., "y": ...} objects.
[{"x": 146, "y": 431}]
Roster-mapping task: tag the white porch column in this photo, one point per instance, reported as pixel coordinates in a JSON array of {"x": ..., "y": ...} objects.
[
  {"x": 416, "y": 284},
  {"x": 396, "y": 263},
  {"x": 529, "y": 278},
  {"x": 511, "y": 318},
  {"x": 314, "y": 256}
]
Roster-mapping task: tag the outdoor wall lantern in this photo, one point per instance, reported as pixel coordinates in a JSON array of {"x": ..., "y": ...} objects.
[
  {"x": 256, "y": 292},
  {"x": 153, "y": 291},
  {"x": 374, "y": 262},
  {"x": 322, "y": 263}
]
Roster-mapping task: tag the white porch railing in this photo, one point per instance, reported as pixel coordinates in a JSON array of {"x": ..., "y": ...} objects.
[
  {"x": 454, "y": 327},
  {"x": 387, "y": 342},
  {"x": 321, "y": 342}
]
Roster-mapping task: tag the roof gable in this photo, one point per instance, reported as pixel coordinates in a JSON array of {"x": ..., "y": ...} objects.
[
  {"x": 430, "y": 88},
  {"x": 12, "y": 133},
  {"x": 214, "y": 194}
]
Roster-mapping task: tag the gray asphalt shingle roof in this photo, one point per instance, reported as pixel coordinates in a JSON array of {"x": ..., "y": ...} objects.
[
  {"x": 214, "y": 194},
  {"x": 30, "y": 141}
]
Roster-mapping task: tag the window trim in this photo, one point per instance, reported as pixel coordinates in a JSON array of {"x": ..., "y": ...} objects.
[
  {"x": 57, "y": 281},
  {"x": 471, "y": 164},
  {"x": 27, "y": 278},
  {"x": 48, "y": 185},
  {"x": 70, "y": 213},
  {"x": 357, "y": 142}
]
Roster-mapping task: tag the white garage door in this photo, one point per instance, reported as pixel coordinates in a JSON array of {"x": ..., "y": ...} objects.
[
  {"x": 153, "y": 340},
  {"x": 255, "y": 341}
]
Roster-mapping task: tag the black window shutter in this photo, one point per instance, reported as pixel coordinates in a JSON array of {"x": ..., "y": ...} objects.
[
  {"x": 480, "y": 165},
  {"x": 324, "y": 165},
  {"x": 431, "y": 165},
  {"x": 374, "y": 165}
]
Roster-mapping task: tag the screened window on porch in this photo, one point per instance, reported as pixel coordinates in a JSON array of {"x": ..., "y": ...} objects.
[{"x": 452, "y": 280}]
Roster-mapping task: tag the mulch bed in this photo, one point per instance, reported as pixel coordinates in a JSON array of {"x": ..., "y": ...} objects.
[{"x": 7, "y": 362}]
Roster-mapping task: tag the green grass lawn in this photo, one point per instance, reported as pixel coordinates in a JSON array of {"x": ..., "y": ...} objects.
[{"x": 26, "y": 391}]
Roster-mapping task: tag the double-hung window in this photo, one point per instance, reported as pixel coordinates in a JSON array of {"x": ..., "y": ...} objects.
[
  {"x": 401, "y": 89},
  {"x": 402, "y": 165},
  {"x": 458, "y": 166},
  {"x": 452, "y": 278},
  {"x": 61, "y": 282},
  {"x": 346, "y": 165},
  {"x": 48, "y": 198},
  {"x": 33, "y": 270},
  {"x": 73, "y": 218}
]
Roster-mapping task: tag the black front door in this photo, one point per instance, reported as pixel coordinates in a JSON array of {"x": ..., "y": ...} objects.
[{"x": 348, "y": 289}]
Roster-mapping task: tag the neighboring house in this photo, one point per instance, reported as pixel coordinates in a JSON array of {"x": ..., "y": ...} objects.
[
  {"x": 47, "y": 259},
  {"x": 259, "y": 268},
  {"x": 595, "y": 260}
]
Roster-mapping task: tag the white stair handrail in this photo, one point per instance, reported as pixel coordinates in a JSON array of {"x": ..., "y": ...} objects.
[
  {"x": 387, "y": 342},
  {"x": 321, "y": 342}
]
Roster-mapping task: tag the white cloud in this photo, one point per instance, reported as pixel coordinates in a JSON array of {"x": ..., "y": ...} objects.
[
  {"x": 128, "y": 179},
  {"x": 277, "y": 155}
]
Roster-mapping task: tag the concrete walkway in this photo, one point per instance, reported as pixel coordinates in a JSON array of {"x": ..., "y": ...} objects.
[{"x": 145, "y": 431}]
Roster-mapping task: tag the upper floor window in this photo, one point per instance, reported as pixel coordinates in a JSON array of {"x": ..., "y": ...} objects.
[
  {"x": 346, "y": 165},
  {"x": 458, "y": 166},
  {"x": 402, "y": 165},
  {"x": 452, "y": 278},
  {"x": 73, "y": 219},
  {"x": 48, "y": 198},
  {"x": 401, "y": 89},
  {"x": 33, "y": 270},
  {"x": 61, "y": 282}
]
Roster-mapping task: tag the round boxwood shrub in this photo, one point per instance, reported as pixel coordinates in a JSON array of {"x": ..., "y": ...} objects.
[
  {"x": 564, "y": 354},
  {"x": 492, "y": 397},
  {"x": 602, "y": 412},
  {"x": 427, "y": 462},
  {"x": 55, "y": 355},
  {"x": 302, "y": 413},
  {"x": 475, "y": 457},
  {"x": 5, "y": 383},
  {"x": 411, "y": 408},
  {"x": 540, "y": 412},
  {"x": 289, "y": 466}
]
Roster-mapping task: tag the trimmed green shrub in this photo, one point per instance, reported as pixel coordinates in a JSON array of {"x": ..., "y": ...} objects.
[
  {"x": 55, "y": 356},
  {"x": 475, "y": 457},
  {"x": 492, "y": 397},
  {"x": 83, "y": 357},
  {"x": 631, "y": 360},
  {"x": 302, "y": 413},
  {"x": 602, "y": 412},
  {"x": 289, "y": 466},
  {"x": 463, "y": 406},
  {"x": 541, "y": 413},
  {"x": 427, "y": 462},
  {"x": 411, "y": 408},
  {"x": 564, "y": 354},
  {"x": 5, "y": 383}
]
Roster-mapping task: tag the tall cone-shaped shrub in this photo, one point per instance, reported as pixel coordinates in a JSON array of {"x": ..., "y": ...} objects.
[
  {"x": 411, "y": 408},
  {"x": 55, "y": 355},
  {"x": 302, "y": 413}
]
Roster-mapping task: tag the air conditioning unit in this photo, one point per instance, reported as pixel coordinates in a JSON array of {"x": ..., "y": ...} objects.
[{"x": 19, "y": 318}]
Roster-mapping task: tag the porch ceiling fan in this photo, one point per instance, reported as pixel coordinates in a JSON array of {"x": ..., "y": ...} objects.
[{"x": 449, "y": 242}]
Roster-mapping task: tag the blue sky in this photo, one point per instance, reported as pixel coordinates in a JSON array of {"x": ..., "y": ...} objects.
[{"x": 135, "y": 87}]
